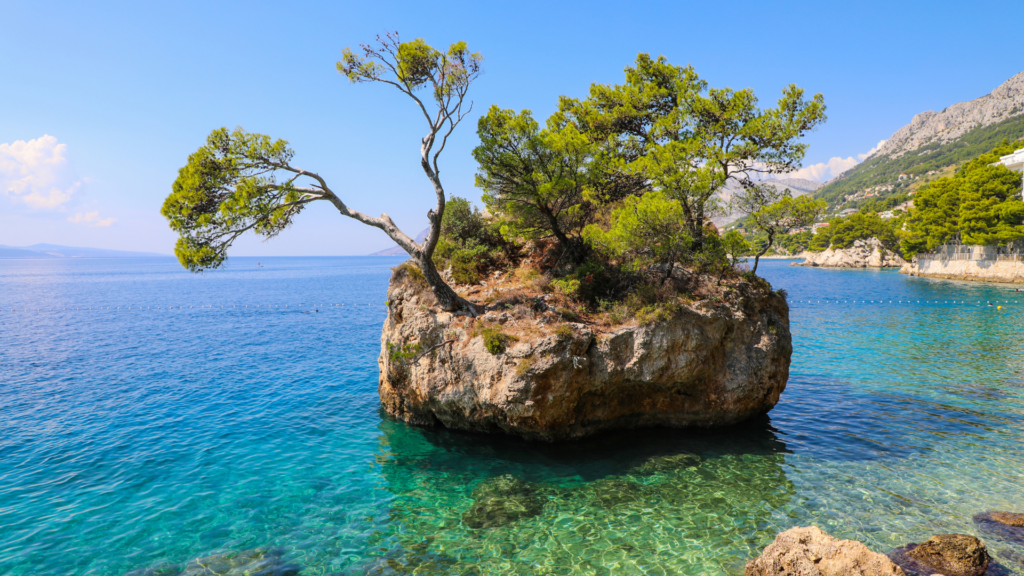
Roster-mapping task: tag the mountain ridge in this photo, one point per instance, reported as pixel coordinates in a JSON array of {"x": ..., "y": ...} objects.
[
  {"x": 952, "y": 122},
  {"x": 930, "y": 145},
  {"x": 37, "y": 251}
]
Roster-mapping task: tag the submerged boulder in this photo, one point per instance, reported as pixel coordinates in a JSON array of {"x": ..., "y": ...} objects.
[
  {"x": 946, "y": 554},
  {"x": 1005, "y": 525},
  {"x": 666, "y": 464},
  {"x": 502, "y": 500},
  {"x": 255, "y": 562},
  {"x": 714, "y": 362},
  {"x": 808, "y": 551},
  {"x": 1006, "y": 518}
]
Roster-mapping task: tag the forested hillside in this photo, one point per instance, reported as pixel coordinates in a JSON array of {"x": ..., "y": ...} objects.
[{"x": 885, "y": 170}]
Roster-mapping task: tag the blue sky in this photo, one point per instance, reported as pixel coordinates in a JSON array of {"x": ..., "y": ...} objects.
[{"x": 123, "y": 92}]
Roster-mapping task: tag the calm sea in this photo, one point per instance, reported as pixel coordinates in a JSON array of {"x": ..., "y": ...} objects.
[{"x": 149, "y": 417}]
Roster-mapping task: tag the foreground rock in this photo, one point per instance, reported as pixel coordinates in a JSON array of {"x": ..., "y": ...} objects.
[
  {"x": 946, "y": 554},
  {"x": 808, "y": 551},
  {"x": 863, "y": 254},
  {"x": 717, "y": 362}
]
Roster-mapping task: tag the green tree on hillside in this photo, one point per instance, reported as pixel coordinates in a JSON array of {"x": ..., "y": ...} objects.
[{"x": 980, "y": 204}]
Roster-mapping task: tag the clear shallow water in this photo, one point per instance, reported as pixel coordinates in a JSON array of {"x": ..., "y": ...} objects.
[{"x": 131, "y": 438}]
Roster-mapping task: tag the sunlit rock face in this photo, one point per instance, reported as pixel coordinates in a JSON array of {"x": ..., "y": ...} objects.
[
  {"x": 716, "y": 362},
  {"x": 808, "y": 551},
  {"x": 863, "y": 254}
]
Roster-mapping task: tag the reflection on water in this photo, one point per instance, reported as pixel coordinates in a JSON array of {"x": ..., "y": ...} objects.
[
  {"x": 628, "y": 502},
  {"x": 143, "y": 440}
]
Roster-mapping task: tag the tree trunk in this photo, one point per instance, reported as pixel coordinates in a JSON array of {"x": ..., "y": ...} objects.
[
  {"x": 767, "y": 246},
  {"x": 447, "y": 299}
]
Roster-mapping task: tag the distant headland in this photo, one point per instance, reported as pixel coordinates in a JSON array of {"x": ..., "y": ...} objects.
[{"x": 49, "y": 251}]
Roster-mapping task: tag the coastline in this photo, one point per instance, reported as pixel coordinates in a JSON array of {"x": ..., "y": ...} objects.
[{"x": 990, "y": 271}]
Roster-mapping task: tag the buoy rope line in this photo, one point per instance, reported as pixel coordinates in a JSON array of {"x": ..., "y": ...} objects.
[
  {"x": 316, "y": 307},
  {"x": 251, "y": 307},
  {"x": 967, "y": 302}
]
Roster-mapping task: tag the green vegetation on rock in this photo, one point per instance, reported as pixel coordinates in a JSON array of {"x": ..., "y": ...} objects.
[{"x": 980, "y": 204}]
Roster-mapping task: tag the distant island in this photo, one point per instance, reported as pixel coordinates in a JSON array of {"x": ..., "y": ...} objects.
[{"x": 55, "y": 251}]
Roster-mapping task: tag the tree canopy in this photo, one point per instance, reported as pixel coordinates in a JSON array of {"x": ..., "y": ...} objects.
[
  {"x": 980, "y": 204},
  {"x": 239, "y": 181},
  {"x": 534, "y": 178},
  {"x": 668, "y": 128}
]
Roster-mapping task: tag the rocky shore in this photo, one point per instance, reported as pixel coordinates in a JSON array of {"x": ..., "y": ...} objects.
[
  {"x": 526, "y": 370},
  {"x": 809, "y": 551},
  {"x": 863, "y": 254}
]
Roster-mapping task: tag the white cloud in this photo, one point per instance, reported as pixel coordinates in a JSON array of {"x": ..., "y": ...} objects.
[
  {"x": 36, "y": 173},
  {"x": 91, "y": 219},
  {"x": 825, "y": 171},
  {"x": 872, "y": 151}
]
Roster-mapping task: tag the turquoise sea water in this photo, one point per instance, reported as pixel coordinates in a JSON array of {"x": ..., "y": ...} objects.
[{"x": 133, "y": 435}]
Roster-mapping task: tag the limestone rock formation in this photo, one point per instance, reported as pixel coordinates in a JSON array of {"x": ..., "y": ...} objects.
[
  {"x": 808, "y": 551},
  {"x": 947, "y": 554},
  {"x": 863, "y": 254},
  {"x": 1004, "y": 102},
  {"x": 717, "y": 362}
]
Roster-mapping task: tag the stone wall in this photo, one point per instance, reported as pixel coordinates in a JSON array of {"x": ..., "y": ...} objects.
[{"x": 1008, "y": 270}]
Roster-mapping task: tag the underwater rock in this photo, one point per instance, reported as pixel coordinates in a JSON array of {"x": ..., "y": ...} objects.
[
  {"x": 609, "y": 492},
  {"x": 714, "y": 363},
  {"x": 1004, "y": 525},
  {"x": 661, "y": 464},
  {"x": 502, "y": 500},
  {"x": 158, "y": 570},
  {"x": 255, "y": 562},
  {"x": 947, "y": 554},
  {"x": 1007, "y": 518},
  {"x": 808, "y": 551}
]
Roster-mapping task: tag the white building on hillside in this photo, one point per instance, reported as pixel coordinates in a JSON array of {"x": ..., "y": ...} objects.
[{"x": 1014, "y": 161}]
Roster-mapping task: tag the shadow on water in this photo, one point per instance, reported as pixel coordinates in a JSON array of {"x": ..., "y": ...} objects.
[
  {"x": 607, "y": 454},
  {"x": 651, "y": 499}
]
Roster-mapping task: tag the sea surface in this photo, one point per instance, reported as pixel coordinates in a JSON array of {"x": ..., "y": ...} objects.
[{"x": 149, "y": 417}]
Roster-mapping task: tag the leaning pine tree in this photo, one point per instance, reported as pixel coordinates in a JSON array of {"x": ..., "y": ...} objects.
[{"x": 241, "y": 181}]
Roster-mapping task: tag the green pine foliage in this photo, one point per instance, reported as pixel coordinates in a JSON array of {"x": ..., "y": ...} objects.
[
  {"x": 470, "y": 244},
  {"x": 980, "y": 204}
]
